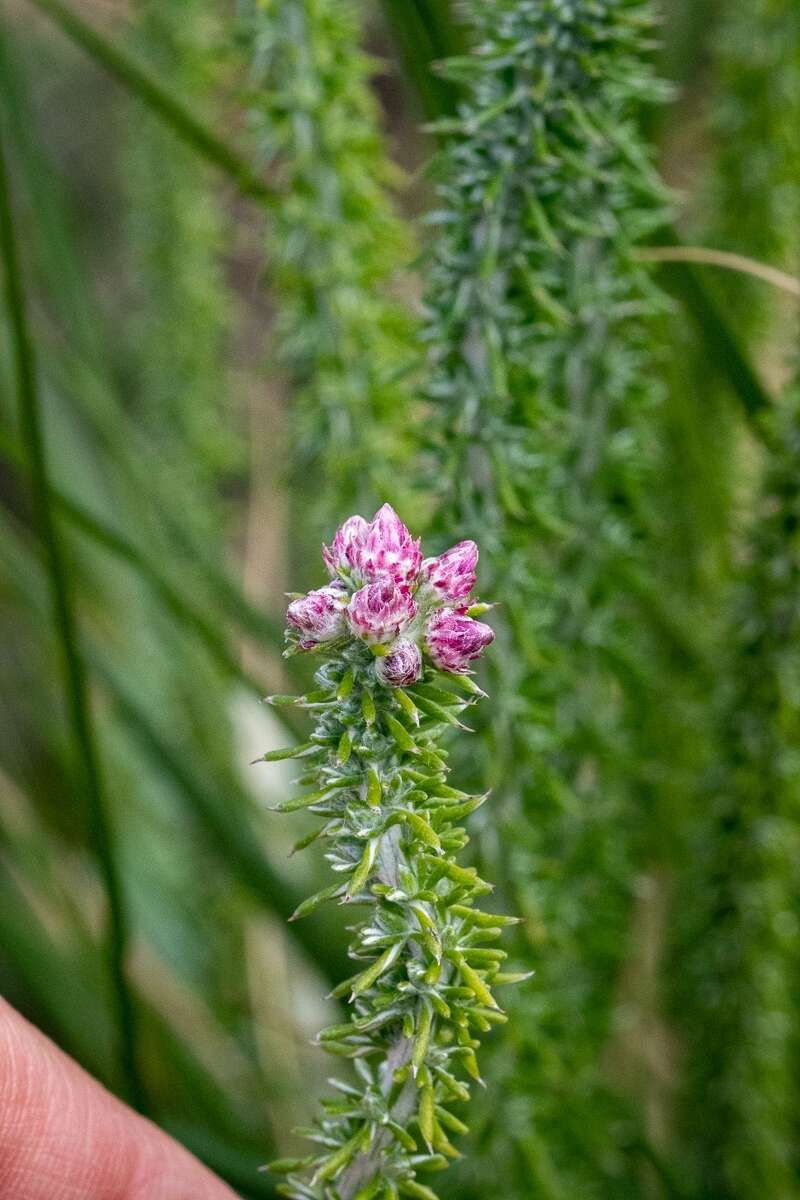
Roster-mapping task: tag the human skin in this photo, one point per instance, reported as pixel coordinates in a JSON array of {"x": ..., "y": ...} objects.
[{"x": 64, "y": 1137}]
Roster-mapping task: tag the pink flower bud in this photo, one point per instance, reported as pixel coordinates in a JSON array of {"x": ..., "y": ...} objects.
[
  {"x": 453, "y": 639},
  {"x": 401, "y": 666},
  {"x": 346, "y": 550},
  {"x": 452, "y": 574},
  {"x": 390, "y": 552},
  {"x": 318, "y": 616},
  {"x": 379, "y": 611}
]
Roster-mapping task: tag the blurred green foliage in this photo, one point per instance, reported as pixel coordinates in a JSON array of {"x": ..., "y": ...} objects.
[{"x": 233, "y": 344}]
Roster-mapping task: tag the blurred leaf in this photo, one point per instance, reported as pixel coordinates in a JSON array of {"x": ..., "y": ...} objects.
[
  {"x": 726, "y": 355},
  {"x": 228, "y": 827},
  {"x": 124, "y": 68},
  {"x": 75, "y": 681}
]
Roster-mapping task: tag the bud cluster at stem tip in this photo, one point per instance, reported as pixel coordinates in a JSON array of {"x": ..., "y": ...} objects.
[
  {"x": 396, "y": 635},
  {"x": 384, "y": 594}
]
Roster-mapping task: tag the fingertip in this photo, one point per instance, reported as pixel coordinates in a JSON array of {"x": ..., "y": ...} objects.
[{"x": 64, "y": 1137}]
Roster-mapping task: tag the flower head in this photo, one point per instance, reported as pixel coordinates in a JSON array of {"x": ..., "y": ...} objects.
[
  {"x": 318, "y": 616},
  {"x": 390, "y": 552},
  {"x": 378, "y": 612},
  {"x": 384, "y": 595},
  {"x": 454, "y": 639},
  {"x": 452, "y": 574},
  {"x": 345, "y": 552},
  {"x": 401, "y": 666}
]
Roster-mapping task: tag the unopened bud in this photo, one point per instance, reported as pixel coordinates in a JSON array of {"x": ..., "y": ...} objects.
[
  {"x": 453, "y": 639},
  {"x": 401, "y": 666}
]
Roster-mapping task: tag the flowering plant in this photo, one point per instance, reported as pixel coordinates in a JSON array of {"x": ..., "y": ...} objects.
[{"x": 398, "y": 634}]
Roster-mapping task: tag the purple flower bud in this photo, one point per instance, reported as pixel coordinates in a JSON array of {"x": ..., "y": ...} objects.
[
  {"x": 452, "y": 574},
  {"x": 401, "y": 666},
  {"x": 390, "y": 552},
  {"x": 379, "y": 611},
  {"x": 346, "y": 550},
  {"x": 453, "y": 639},
  {"x": 318, "y": 616}
]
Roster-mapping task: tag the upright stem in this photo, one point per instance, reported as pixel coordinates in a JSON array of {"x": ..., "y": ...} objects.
[
  {"x": 379, "y": 777},
  {"x": 75, "y": 683}
]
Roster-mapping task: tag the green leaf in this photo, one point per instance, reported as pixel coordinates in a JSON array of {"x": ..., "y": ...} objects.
[
  {"x": 379, "y": 967},
  {"x": 296, "y": 803},
  {"x": 286, "y": 752},
  {"x": 306, "y": 841},
  {"x": 364, "y": 869},
  {"x": 410, "y": 1187},
  {"x": 286, "y": 1166},
  {"x": 472, "y": 979},
  {"x": 368, "y": 707},
  {"x": 420, "y": 1048},
  {"x": 345, "y": 747},
  {"x": 421, "y": 829},
  {"x": 346, "y": 686},
  {"x": 75, "y": 680},
  {"x": 407, "y": 704},
  {"x": 374, "y": 788},
  {"x": 425, "y": 1115},
  {"x": 400, "y": 734},
  {"x": 336, "y": 1161},
  {"x": 369, "y": 1190},
  {"x": 449, "y": 1121},
  {"x": 313, "y": 902}
]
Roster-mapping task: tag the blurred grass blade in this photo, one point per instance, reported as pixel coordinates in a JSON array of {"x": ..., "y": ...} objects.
[
  {"x": 726, "y": 355},
  {"x": 424, "y": 36},
  {"x": 116, "y": 432},
  {"x": 241, "y": 1171},
  {"x": 127, "y": 71},
  {"x": 227, "y": 825},
  {"x": 43, "y": 189},
  {"x": 75, "y": 682},
  {"x": 103, "y": 535},
  {"x": 67, "y": 1001}
]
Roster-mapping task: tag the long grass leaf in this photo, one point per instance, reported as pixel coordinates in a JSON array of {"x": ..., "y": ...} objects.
[
  {"x": 67, "y": 1001},
  {"x": 101, "y": 533},
  {"x": 75, "y": 681},
  {"x": 422, "y": 41},
  {"x": 241, "y": 1170},
  {"x": 727, "y": 356},
  {"x": 228, "y": 827},
  {"x": 141, "y": 83},
  {"x": 111, "y": 425}
]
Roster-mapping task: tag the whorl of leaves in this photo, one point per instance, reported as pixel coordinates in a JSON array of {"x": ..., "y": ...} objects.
[
  {"x": 421, "y": 996},
  {"x": 542, "y": 397},
  {"x": 336, "y": 248},
  {"x": 736, "y": 980}
]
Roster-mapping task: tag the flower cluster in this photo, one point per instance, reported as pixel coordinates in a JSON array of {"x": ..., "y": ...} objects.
[
  {"x": 395, "y": 636},
  {"x": 403, "y": 607}
]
